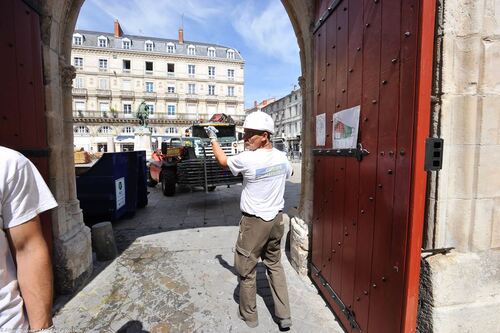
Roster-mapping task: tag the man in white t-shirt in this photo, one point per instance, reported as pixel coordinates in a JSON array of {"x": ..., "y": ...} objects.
[
  {"x": 265, "y": 170},
  {"x": 26, "y": 283}
]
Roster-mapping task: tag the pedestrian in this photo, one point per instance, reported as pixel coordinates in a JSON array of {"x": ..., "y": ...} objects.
[
  {"x": 26, "y": 282},
  {"x": 264, "y": 170}
]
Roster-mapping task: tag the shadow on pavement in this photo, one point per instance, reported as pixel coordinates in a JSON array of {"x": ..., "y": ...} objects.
[
  {"x": 133, "y": 326},
  {"x": 188, "y": 209}
]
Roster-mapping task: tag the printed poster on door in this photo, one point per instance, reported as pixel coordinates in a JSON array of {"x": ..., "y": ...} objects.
[
  {"x": 346, "y": 128},
  {"x": 320, "y": 129},
  {"x": 120, "y": 192}
]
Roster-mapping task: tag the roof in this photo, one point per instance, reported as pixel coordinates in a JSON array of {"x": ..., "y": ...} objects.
[{"x": 160, "y": 44}]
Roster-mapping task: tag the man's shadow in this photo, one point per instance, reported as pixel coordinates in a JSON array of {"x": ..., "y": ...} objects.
[
  {"x": 132, "y": 326},
  {"x": 263, "y": 288}
]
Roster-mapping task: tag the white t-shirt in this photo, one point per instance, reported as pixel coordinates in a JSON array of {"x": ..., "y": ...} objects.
[
  {"x": 23, "y": 195},
  {"x": 264, "y": 174}
]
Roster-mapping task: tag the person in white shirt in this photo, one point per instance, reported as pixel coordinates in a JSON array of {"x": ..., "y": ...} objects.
[
  {"x": 26, "y": 282},
  {"x": 264, "y": 170}
]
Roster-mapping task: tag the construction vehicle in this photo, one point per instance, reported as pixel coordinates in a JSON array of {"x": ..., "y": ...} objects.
[{"x": 189, "y": 161}]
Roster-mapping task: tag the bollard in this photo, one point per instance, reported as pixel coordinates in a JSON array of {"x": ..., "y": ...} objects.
[{"x": 103, "y": 241}]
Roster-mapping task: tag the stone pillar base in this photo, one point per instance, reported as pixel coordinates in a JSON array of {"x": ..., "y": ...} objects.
[
  {"x": 299, "y": 245},
  {"x": 460, "y": 292},
  {"x": 72, "y": 260},
  {"x": 142, "y": 140}
]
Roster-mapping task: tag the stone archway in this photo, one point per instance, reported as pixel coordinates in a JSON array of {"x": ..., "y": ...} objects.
[{"x": 72, "y": 244}]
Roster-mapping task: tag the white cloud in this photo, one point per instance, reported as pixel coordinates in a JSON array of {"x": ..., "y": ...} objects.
[
  {"x": 270, "y": 30},
  {"x": 159, "y": 17}
]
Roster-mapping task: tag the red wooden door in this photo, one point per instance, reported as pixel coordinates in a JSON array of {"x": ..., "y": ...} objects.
[
  {"x": 369, "y": 53},
  {"x": 22, "y": 115}
]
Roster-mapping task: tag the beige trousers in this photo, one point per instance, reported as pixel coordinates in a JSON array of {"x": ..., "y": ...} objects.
[{"x": 260, "y": 239}]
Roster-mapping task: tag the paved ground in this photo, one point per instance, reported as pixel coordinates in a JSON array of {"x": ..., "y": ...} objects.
[{"x": 175, "y": 274}]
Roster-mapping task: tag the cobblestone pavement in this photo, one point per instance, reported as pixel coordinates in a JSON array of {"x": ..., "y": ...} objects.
[{"x": 175, "y": 273}]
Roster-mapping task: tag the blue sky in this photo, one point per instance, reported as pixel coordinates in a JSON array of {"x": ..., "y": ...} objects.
[{"x": 259, "y": 29}]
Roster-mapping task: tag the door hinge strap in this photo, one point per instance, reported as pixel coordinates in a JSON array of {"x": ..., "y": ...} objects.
[{"x": 348, "y": 313}]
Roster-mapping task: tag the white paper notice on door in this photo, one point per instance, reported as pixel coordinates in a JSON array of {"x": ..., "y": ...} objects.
[
  {"x": 346, "y": 128},
  {"x": 320, "y": 129},
  {"x": 120, "y": 192}
]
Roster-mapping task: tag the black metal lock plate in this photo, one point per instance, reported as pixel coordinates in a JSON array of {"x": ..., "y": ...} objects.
[{"x": 433, "y": 154}]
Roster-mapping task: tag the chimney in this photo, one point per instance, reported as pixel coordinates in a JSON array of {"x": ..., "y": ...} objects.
[
  {"x": 118, "y": 29},
  {"x": 254, "y": 104},
  {"x": 181, "y": 36}
]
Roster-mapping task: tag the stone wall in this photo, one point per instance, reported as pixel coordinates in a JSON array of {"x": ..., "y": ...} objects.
[{"x": 464, "y": 198}]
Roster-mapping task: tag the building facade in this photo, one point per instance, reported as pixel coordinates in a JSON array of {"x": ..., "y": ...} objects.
[
  {"x": 287, "y": 115},
  {"x": 181, "y": 82}
]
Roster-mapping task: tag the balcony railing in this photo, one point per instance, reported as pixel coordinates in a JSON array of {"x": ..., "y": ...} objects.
[
  {"x": 149, "y": 94},
  {"x": 103, "y": 93},
  {"x": 127, "y": 94},
  {"x": 79, "y": 92},
  {"x": 188, "y": 117}
]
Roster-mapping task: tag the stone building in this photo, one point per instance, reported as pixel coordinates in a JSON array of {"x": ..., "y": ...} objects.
[
  {"x": 461, "y": 289},
  {"x": 181, "y": 82},
  {"x": 287, "y": 116}
]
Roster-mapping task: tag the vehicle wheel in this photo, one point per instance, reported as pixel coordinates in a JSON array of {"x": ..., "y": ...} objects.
[
  {"x": 151, "y": 181},
  {"x": 211, "y": 188},
  {"x": 168, "y": 182}
]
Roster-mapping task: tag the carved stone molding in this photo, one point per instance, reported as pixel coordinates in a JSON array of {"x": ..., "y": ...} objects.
[{"x": 68, "y": 73}]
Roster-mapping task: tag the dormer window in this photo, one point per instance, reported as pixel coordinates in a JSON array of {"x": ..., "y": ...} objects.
[
  {"x": 102, "y": 41},
  {"x": 211, "y": 52},
  {"x": 126, "y": 43},
  {"x": 230, "y": 54},
  {"x": 191, "y": 50},
  {"x": 77, "y": 39},
  {"x": 148, "y": 46},
  {"x": 170, "y": 48}
]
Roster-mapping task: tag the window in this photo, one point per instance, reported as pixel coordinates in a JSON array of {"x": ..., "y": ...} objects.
[
  {"x": 148, "y": 45},
  {"x": 79, "y": 107},
  {"x": 191, "y": 50},
  {"x": 211, "y": 72},
  {"x": 149, "y": 87},
  {"x": 78, "y": 62},
  {"x": 149, "y": 67},
  {"x": 170, "y": 69},
  {"x": 170, "y": 89},
  {"x": 170, "y": 48},
  {"x": 103, "y": 83},
  {"x": 104, "y": 130},
  {"x": 151, "y": 108},
  {"x": 230, "y": 91},
  {"x": 127, "y": 108},
  {"x": 103, "y": 64},
  {"x": 128, "y": 129},
  {"x": 230, "y": 74},
  {"x": 152, "y": 129},
  {"x": 77, "y": 39},
  {"x": 191, "y": 70},
  {"x": 126, "y": 65},
  {"x": 82, "y": 130},
  {"x": 79, "y": 83},
  {"x": 102, "y": 41},
  {"x": 171, "y": 110},
  {"x": 127, "y": 85},
  {"x": 171, "y": 130},
  {"x": 211, "y": 52},
  {"x": 230, "y": 54},
  {"x": 104, "y": 108},
  {"x": 126, "y": 43},
  {"x": 191, "y": 88},
  {"x": 211, "y": 89}
]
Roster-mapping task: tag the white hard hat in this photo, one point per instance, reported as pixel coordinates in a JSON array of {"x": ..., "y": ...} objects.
[{"x": 259, "y": 121}]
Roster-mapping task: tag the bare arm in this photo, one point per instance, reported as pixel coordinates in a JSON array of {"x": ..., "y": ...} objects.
[
  {"x": 34, "y": 271},
  {"x": 219, "y": 154}
]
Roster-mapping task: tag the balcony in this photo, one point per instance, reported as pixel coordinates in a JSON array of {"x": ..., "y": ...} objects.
[
  {"x": 212, "y": 98},
  {"x": 92, "y": 114},
  {"x": 103, "y": 93},
  {"x": 171, "y": 96},
  {"x": 232, "y": 98},
  {"x": 80, "y": 92},
  {"x": 192, "y": 97},
  {"x": 149, "y": 95},
  {"x": 127, "y": 94}
]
